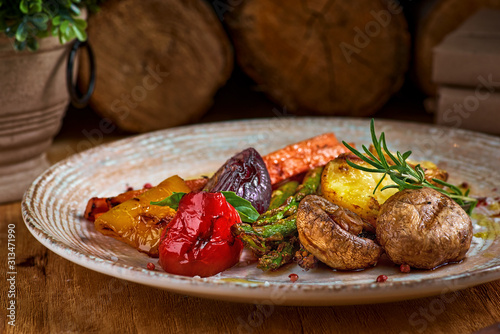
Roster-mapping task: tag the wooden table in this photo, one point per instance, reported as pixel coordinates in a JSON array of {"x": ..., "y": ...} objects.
[{"x": 57, "y": 296}]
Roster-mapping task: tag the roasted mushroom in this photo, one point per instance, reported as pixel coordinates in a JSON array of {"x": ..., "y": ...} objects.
[
  {"x": 423, "y": 228},
  {"x": 332, "y": 234}
]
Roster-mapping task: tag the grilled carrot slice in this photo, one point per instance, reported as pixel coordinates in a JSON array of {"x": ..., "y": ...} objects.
[{"x": 303, "y": 156}]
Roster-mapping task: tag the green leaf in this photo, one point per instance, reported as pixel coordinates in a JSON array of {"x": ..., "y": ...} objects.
[
  {"x": 35, "y": 7},
  {"x": 361, "y": 156},
  {"x": 365, "y": 169},
  {"x": 370, "y": 154},
  {"x": 56, "y": 20},
  {"x": 391, "y": 186},
  {"x": 64, "y": 27},
  {"x": 80, "y": 34},
  {"x": 74, "y": 9},
  {"x": 82, "y": 24},
  {"x": 40, "y": 21},
  {"x": 406, "y": 155},
  {"x": 384, "y": 145},
  {"x": 248, "y": 213},
  {"x": 379, "y": 183},
  {"x": 21, "y": 32},
  {"x": 24, "y": 6},
  {"x": 171, "y": 201},
  {"x": 54, "y": 30}
]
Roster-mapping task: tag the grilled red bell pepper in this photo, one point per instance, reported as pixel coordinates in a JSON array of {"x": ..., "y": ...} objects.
[{"x": 198, "y": 240}]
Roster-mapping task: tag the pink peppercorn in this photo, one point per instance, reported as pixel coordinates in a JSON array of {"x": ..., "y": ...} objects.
[
  {"x": 404, "y": 268},
  {"x": 381, "y": 279}
]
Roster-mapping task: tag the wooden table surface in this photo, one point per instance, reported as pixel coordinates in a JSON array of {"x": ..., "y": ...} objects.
[{"x": 54, "y": 295}]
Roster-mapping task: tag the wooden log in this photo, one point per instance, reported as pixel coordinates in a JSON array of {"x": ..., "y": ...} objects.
[
  {"x": 159, "y": 63},
  {"x": 322, "y": 57},
  {"x": 436, "y": 19}
]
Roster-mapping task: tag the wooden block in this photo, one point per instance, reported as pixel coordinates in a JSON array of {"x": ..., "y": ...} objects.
[
  {"x": 323, "y": 57},
  {"x": 470, "y": 52},
  {"x": 473, "y": 109},
  {"x": 159, "y": 63}
]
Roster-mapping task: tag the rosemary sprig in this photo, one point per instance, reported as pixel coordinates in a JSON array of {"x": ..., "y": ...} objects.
[{"x": 401, "y": 173}]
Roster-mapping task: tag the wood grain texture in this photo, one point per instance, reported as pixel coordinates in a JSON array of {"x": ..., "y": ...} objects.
[
  {"x": 158, "y": 63},
  {"x": 55, "y": 296},
  {"x": 322, "y": 57}
]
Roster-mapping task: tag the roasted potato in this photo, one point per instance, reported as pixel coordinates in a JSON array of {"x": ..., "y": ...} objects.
[
  {"x": 423, "y": 228},
  {"x": 352, "y": 188}
]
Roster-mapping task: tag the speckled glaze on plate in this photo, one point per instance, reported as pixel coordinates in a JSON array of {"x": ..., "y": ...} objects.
[{"x": 53, "y": 206}]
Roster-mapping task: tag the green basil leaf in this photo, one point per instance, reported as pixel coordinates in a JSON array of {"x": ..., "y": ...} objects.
[
  {"x": 171, "y": 201},
  {"x": 247, "y": 212}
]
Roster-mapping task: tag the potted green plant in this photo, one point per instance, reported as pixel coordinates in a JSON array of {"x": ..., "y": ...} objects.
[{"x": 36, "y": 38}]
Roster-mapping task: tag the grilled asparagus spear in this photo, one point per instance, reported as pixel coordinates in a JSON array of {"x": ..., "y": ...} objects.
[
  {"x": 281, "y": 194},
  {"x": 277, "y": 224}
]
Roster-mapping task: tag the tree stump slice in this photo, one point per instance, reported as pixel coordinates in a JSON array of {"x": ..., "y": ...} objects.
[
  {"x": 159, "y": 63},
  {"x": 438, "y": 19},
  {"x": 322, "y": 57}
]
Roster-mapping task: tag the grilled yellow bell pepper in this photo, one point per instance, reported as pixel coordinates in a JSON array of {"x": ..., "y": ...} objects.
[{"x": 137, "y": 222}]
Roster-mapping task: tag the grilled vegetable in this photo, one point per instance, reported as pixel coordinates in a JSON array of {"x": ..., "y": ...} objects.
[
  {"x": 331, "y": 234},
  {"x": 309, "y": 185},
  {"x": 197, "y": 184},
  {"x": 305, "y": 259},
  {"x": 198, "y": 241},
  {"x": 406, "y": 176},
  {"x": 96, "y": 206},
  {"x": 302, "y": 156},
  {"x": 277, "y": 224},
  {"x": 277, "y": 258},
  {"x": 246, "y": 175},
  {"x": 99, "y": 205},
  {"x": 280, "y": 195},
  {"x": 359, "y": 190},
  {"x": 137, "y": 222},
  {"x": 423, "y": 228},
  {"x": 352, "y": 188}
]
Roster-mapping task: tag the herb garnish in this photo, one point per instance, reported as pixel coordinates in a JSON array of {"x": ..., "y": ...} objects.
[{"x": 405, "y": 176}]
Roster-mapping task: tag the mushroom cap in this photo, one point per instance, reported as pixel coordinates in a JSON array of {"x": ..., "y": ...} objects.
[
  {"x": 423, "y": 228},
  {"x": 331, "y": 242}
]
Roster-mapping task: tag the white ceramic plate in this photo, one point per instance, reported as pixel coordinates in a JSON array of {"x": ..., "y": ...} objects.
[{"x": 54, "y": 204}]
